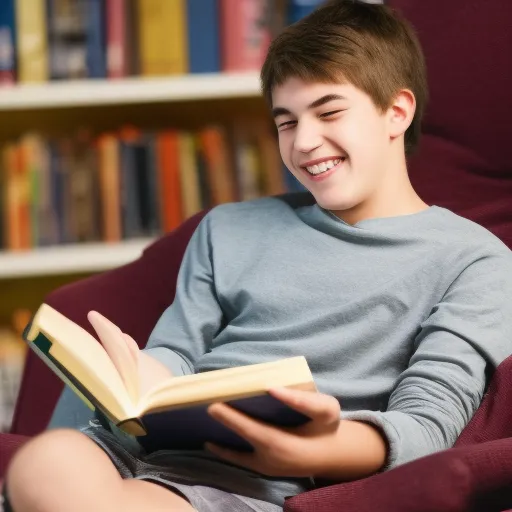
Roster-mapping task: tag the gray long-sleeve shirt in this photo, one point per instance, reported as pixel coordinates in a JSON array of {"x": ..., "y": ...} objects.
[{"x": 398, "y": 317}]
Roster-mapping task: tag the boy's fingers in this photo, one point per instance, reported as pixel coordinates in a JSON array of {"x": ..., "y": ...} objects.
[
  {"x": 132, "y": 347},
  {"x": 118, "y": 351},
  {"x": 316, "y": 406},
  {"x": 254, "y": 431}
]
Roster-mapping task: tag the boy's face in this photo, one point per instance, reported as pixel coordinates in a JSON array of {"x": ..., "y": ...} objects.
[{"x": 335, "y": 142}]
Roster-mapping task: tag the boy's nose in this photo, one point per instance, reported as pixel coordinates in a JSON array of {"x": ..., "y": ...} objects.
[{"x": 306, "y": 139}]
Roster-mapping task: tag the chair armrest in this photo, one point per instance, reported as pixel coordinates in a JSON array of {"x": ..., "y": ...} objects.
[
  {"x": 9, "y": 443},
  {"x": 476, "y": 477}
]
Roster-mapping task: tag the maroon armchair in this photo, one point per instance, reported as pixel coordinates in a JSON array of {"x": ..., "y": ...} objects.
[{"x": 464, "y": 164}]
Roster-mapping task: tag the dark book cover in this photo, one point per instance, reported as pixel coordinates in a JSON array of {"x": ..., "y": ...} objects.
[{"x": 189, "y": 428}]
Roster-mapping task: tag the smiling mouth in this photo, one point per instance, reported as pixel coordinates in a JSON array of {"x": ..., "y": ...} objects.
[{"x": 319, "y": 169}]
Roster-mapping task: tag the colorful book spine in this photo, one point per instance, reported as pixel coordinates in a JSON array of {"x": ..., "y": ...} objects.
[
  {"x": 67, "y": 37},
  {"x": 116, "y": 38},
  {"x": 203, "y": 36},
  {"x": 31, "y": 41},
  {"x": 96, "y": 45},
  {"x": 169, "y": 179},
  {"x": 109, "y": 167},
  {"x": 189, "y": 177},
  {"x": 163, "y": 37},
  {"x": 7, "y": 43},
  {"x": 130, "y": 204},
  {"x": 245, "y": 34}
]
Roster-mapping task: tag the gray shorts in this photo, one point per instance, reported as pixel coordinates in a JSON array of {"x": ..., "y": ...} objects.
[{"x": 203, "y": 497}]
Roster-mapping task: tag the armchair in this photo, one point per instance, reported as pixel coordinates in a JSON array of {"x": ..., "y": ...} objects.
[{"x": 463, "y": 164}]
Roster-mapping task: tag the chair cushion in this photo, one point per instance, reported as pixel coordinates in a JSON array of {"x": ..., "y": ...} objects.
[{"x": 9, "y": 443}]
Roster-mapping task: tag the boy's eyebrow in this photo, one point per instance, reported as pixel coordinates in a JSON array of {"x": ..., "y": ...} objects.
[{"x": 281, "y": 111}]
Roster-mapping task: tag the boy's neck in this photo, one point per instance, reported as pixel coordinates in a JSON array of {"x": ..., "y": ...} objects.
[{"x": 394, "y": 196}]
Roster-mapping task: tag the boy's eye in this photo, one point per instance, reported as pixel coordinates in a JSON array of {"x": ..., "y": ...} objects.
[
  {"x": 286, "y": 124},
  {"x": 330, "y": 113}
]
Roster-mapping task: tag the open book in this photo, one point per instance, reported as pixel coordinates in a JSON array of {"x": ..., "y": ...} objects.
[{"x": 173, "y": 414}]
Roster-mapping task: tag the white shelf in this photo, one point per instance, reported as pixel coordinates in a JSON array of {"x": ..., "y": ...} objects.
[
  {"x": 70, "y": 259},
  {"x": 84, "y": 93}
]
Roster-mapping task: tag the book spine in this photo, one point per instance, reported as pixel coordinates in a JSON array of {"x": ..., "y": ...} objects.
[
  {"x": 162, "y": 36},
  {"x": 203, "y": 36},
  {"x": 67, "y": 38},
  {"x": 219, "y": 171},
  {"x": 13, "y": 240},
  {"x": 169, "y": 180},
  {"x": 31, "y": 41},
  {"x": 31, "y": 164},
  {"x": 130, "y": 205},
  {"x": 96, "y": 47},
  {"x": 245, "y": 34},
  {"x": 7, "y": 43},
  {"x": 189, "y": 178},
  {"x": 117, "y": 55},
  {"x": 150, "y": 178},
  {"x": 110, "y": 187}
]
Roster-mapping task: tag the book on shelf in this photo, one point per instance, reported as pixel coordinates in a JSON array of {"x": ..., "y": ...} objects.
[
  {"x": 130, "y": 182},
  {"x": 173, "y": 413},
  {"x": 7, "y": 43},
  {"x": 31, "y": 41},
  {"x": 12, "y": 360},
  {"x": 43, "y": 40}
]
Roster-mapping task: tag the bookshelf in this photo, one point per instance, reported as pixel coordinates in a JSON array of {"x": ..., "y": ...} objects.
[
  {"x": 49, "y": 100},
  {"x": 70, "y": 259},
  {"x": 89, "y": 93}
]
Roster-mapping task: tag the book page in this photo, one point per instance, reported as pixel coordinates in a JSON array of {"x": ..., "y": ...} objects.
[
  {"x": 229, "y": 384},
  {"x": 84, "y": 357}
]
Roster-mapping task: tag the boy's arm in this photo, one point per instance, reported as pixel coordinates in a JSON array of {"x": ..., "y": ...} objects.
[
  {"x": 185, "y": 329},
  {"x": 433, "y": 401},
  {"x": 467, "y": 333}
]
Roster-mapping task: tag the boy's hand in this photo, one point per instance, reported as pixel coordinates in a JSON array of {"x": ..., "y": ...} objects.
[
  {"x": 139, "y": 371},
  {"x": 151, "y": 372},
  {"x": 289, "y": 452}
]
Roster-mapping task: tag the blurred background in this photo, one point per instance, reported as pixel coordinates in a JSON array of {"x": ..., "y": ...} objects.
[{"x": 118, "y": 120}]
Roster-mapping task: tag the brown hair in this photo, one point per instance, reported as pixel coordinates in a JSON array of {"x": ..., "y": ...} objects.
[{"x": 370, "y": 46}]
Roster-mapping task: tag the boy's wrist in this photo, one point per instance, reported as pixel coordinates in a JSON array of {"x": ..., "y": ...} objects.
[{"x": 360, "y": 450}]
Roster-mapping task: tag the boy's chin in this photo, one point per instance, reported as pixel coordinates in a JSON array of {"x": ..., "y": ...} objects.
[{"x": 335, "y": 203}]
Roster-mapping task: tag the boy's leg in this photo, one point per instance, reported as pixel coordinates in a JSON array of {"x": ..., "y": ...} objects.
[{"x": 63, "y": 470}]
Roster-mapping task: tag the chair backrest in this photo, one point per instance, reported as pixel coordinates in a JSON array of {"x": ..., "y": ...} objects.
[{"x": 464, "y": 161}]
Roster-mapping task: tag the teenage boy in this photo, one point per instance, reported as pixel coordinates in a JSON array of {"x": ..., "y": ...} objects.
[{"x": 399, "y": 307}]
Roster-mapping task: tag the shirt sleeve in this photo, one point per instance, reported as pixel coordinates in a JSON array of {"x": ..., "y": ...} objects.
[
  {"x": 467, "y": 333},
  {"x": 184, "y": 331}
]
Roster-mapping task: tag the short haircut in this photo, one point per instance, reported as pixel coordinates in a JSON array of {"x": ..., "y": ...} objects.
[{"x": 370, "y": 46}]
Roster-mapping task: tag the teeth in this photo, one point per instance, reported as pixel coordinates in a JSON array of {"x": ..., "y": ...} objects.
[{"x": 324, "y": 166}]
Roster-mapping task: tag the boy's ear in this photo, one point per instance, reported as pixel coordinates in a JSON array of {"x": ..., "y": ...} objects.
[{"x": 401, "y": 113}]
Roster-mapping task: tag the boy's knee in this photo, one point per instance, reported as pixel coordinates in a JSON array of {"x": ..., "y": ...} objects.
[
  {"x": 44, "y": 451},
  {"x": 42, "y": 462}
]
